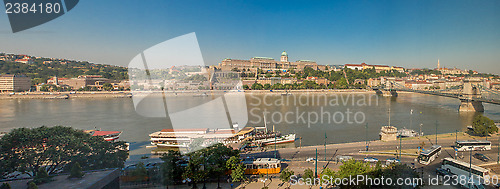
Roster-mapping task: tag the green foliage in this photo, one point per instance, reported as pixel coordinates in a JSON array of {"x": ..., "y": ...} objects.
[
  {"x": 426, "y": 72},
  {"x": 5, "y": 186},
  {"x": 76, "y": 171},
  {"x": 308, "y": 173},
  {"x": 27, "y": 149},
  {"x": 107, "y": 86},
  {"x": 210, "y": 162},
  {"x": 197, "y": 77},
  {"x": 238, "y": 174},
  {"x": 40, "y": 72},
  {"x": 42, "y": 176},
  {"x": 237, "y": 169},
  {"x": 171, "y": 169},
  {"x": 140, "y": 172},
  {"x": 286, "y": 174},
  {"x": 353, "y": 167},
  {"x": 267, "y": 86},
  {"x": 257, "y": 86},
  {"x": 32, "y": 185},
  {"x": 483, "y": 126}
]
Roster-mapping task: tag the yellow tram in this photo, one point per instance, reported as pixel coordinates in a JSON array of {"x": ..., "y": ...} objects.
[{"x": 262, "y": 166}]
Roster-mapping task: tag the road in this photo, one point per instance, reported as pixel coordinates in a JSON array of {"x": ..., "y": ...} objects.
[{"x": 297, "y": 156}]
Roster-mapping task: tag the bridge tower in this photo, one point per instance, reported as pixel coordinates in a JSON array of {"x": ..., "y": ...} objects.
[
  {"x": 470, "y": 93},
  {"x": 389, "y": 90}
]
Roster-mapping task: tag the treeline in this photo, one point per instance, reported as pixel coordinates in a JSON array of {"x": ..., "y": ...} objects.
[
  {"x": 55, "y": 150},
  {"x": 343, "y": 79},
  {"x": 40, "y": 72}
]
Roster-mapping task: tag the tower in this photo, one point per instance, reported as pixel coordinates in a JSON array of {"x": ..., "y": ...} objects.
[
  {"x": 284, "y": 57},
  {"x": 438, "y": 65}
]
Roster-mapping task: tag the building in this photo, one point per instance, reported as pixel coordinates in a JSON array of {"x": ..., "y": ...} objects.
[
  {"x": 388, "y": 133},
  {"x": 85, "y": 81},
  {"x": 378, "y": 68},
  {"x": 14, "y": 83},
  {"x": 268, "y": 64}
]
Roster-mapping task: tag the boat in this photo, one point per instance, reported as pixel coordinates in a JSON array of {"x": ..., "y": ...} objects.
[
  {"x": 277, "y": 140},
  {"x": 286, "y": 93},
  {"x": 108, "y": 135},
  {"x": 407, "y": 133},
  {"x": 64, "y": 96},
  {"x": 183, "y": 138}
]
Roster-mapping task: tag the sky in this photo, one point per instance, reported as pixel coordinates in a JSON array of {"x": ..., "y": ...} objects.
[{"x": 413, "y": 34}]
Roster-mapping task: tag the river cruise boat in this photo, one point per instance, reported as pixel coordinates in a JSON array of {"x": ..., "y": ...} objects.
[
  {"x": 279, "y": 139},
  {"x": 108, "y": 135},
  {"x": 182, "y": 138}
]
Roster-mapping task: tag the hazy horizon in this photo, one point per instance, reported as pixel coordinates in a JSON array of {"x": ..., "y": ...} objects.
[{"x": 411, "y": 34}]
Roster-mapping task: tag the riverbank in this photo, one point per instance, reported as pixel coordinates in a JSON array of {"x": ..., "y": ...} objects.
[
  {"x": 127, "y": 94},
  {"x": 64, "y": 95}
]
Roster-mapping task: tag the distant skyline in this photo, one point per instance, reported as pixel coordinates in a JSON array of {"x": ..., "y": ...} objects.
[{"x": 412, "y": 34}]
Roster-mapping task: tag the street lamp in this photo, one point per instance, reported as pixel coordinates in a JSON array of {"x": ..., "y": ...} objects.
[
  {"x": 366, "y": 137},
  {"x": 470, "y": 164},
  {"x": 436, "y": 132}
]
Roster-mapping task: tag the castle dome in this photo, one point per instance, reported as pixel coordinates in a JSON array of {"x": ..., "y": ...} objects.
[{"x": 284, "y": 53}]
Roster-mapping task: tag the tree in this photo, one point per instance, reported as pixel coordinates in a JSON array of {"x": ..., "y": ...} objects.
[
  {"x": 140, "y": 172},
  {"x": 107, "y": 86},
  {"x": 32, "y": 185},
  {"x": 257, "y": 86},
  {"x": 352, "y": 167},
  {"x": 209, "y": 162},
  {"x": 237, "y": 169},
  {"x": 171, "y": 169},
  {"x": 27, "y": 149},
  {"x": 308, "y": 174},
  {"x": 483, "y": 126},
  {"x": 76, "y": 171},
  {"x": 246, "y": 87},
  {"x": 285, "y": 175},
  {"x": 267, "y": 86},
  {"x": 238, "y": 174},
  {"x": 5, "y": 186},
  {"x": 42, "y": 176}
]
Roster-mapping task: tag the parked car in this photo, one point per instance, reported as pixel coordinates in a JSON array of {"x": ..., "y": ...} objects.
[
  {"x": 343, "y": 158},
  {"x": 370, "y": 159},
  {"x": 391, "y": 161},
  {"x": 481, "y": 157},
  {"x": 310, "y": 159}
]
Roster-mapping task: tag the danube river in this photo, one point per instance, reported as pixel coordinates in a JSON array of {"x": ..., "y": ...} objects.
[{"x": 342, "y": 116}]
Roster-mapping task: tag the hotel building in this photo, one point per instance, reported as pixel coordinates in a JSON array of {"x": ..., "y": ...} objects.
[{"x": 14, "y": 83}]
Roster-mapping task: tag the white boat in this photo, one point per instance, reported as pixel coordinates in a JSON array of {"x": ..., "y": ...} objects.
[
  {"x": 278, "y": 140},
  {"x": 182, "y": 138},
  {"x": 407, "y": 133}
]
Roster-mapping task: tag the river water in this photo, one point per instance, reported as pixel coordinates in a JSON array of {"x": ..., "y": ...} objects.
[{"x": 343, "y": 117}]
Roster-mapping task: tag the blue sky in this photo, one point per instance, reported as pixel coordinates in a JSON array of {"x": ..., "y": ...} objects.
[{"x": 412, "y": 34}]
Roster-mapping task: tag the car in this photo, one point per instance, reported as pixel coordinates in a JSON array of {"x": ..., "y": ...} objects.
[
  {"x": 391, "y": 161},
  {"x": 310, "y": 159},
  {"x": 370, "y": 159},
  {"x": 442, "y": 172},
  {"x": 481, "y": 157},
  {"x": 343, "y": 158}
]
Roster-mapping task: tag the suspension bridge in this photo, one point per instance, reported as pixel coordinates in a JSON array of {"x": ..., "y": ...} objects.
[{"x": 472, "y": 93}]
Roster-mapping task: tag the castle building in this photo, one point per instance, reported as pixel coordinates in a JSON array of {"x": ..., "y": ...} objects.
[{"x": 268, "y": 64}]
